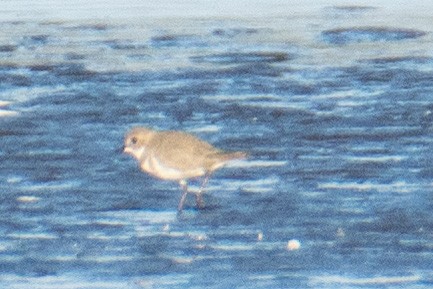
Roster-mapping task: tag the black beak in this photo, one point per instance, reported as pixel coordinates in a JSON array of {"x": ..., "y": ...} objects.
[{"x": 121, "y": 150}]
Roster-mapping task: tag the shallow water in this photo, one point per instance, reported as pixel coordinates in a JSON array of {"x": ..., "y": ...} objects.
[{"x": 333, "y": 103}]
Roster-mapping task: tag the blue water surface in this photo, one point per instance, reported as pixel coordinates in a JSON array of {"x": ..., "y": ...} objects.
[{"x": 338, "y": 129}]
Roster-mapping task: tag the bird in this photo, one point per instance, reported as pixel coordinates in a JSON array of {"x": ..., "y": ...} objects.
[{"x": 176, "y": 156}]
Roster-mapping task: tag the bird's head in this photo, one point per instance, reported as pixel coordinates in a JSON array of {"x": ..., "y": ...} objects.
[{"x": 136, "y": 141}]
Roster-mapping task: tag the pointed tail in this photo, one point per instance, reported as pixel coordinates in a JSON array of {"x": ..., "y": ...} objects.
[{"x": 224, "y": 156}]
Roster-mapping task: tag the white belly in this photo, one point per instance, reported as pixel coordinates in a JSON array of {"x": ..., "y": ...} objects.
[{"x": 153, "y": 166}]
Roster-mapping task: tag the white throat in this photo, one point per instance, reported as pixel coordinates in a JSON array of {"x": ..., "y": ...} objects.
[{"x": 138, "y": 153}]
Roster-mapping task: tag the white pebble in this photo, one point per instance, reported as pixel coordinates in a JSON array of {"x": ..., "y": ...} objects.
[
  {"x": 260, "y": 236},
  {"x": 293, "y": 245}
]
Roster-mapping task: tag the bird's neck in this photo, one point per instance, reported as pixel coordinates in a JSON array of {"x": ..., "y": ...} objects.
[{"x": 140, "y": 153}]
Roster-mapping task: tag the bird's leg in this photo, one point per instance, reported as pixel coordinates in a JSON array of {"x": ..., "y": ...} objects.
[
  {"x": 184, "y": 186},
  {"x": 199, "y": 194}
]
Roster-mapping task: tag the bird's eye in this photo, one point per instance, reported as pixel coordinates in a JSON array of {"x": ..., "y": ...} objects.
[{"x": 134, "y": 140}]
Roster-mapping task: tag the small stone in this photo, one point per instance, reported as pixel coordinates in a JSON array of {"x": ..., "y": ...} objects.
[{"x": 293, "y": 245}]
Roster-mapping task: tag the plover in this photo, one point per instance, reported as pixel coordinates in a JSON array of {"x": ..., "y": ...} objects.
[{"x": 176, "y": 156}]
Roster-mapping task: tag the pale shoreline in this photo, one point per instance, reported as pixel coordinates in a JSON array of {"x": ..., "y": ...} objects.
[{"x": 13, "y": 10}]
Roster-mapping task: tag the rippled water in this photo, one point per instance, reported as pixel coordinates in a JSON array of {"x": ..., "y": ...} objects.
[{"x": 333, "y": 104}]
